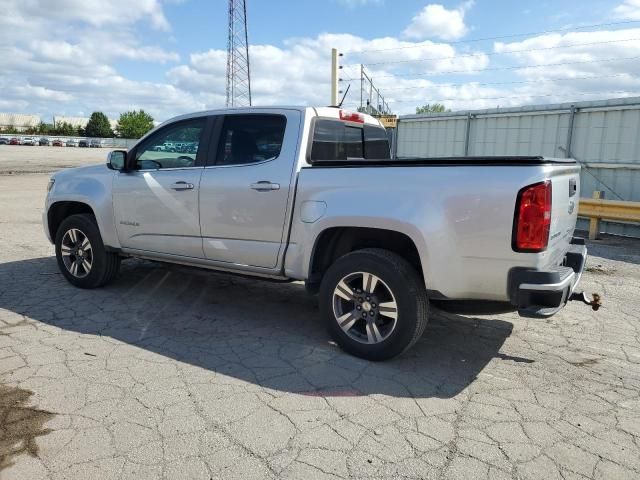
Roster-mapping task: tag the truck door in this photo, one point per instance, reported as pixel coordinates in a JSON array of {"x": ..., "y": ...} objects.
[
  {"x": 244, "y": 193},
  {"x": 156, "y": 202}
]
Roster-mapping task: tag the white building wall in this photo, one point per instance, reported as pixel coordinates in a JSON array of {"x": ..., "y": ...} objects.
[{"x": 19, "y": 121}]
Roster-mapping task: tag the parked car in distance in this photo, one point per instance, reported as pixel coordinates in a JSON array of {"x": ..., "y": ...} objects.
[
  {"x": 28, "y": 141},
  {"x": 15, "y": 141},
  {"x": 4, "y": 141},
  {"x": 84, "y": 143},
  {"x": 95, "y": 143},
  {"x": 165, "y": 147},
  {"x": 44, "y": 141},
  {"x": 57, "y": 143},
  {"x": 72, "y": 142}
]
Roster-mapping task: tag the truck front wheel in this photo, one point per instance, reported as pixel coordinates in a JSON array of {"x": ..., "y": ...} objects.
[
  {"x": 374, "y": 304},
  {"x": 82, "y": 257}
]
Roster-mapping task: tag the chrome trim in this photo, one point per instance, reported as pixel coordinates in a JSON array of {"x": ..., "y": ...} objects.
[
  {"x": 172, "y": 169},
  {"x": 550, "y": 286},
  {"x": 244, "y": 164}
]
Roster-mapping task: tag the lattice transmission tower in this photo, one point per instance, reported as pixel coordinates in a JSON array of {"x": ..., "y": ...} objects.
[{"x": 238, "y": 73}]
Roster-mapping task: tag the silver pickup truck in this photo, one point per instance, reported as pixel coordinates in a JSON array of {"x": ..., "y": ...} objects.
[{"x": 313, "y": 194}]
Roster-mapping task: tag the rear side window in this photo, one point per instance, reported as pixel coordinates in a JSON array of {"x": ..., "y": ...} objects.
[
  {"x": 376, "y": 143},
  {"x": 334, "y": 140},
  {"x": 250, "y": 139}
]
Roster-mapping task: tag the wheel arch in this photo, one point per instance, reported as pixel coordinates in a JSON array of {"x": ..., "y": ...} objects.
[
  {"x": 334, "y": 242},
  {"x": 60, "y": 210}
]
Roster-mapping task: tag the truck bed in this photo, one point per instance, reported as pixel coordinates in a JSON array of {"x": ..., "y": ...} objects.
[
  {"x": 446, "y": 161},
  {"x": 460, "y": 219}
]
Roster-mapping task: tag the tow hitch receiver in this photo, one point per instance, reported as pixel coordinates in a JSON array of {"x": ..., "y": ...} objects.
[{"x": 595, "y": 302}]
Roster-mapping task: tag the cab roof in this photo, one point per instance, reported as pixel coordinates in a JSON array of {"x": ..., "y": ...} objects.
[{"x": 326, "y": 112}]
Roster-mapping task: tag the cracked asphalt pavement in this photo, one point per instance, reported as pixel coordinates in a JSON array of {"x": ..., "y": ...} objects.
[{"x": 174, "y": 373}]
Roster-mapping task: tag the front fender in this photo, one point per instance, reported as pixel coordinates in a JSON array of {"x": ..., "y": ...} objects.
[{"x": 90, "y": 186}]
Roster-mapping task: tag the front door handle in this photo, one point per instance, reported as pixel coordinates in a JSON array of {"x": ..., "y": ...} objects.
[
  {"x": 265, "y": 186},
  {"x": 182, "y": 186}
]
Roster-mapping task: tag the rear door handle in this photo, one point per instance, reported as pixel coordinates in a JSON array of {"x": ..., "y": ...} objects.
[
  {"x": 265, "y": 186},
  {"x": 182, "y": 186}
]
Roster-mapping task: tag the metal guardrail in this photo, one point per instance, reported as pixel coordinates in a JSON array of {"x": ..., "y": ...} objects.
[{"x": 597, "y": 209}]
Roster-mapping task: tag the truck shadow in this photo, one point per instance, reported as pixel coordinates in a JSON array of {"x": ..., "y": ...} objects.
[{"x": 269, "y": 334}]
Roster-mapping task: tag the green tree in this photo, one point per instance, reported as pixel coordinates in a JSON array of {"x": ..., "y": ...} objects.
[
  {"x": 134, "y": 124},
  {"x": 65, "y": 129},
  {"x": 98, "y": 126},
  {"x": 432, "y": 108},
  {"x": 43, "y": 129}
]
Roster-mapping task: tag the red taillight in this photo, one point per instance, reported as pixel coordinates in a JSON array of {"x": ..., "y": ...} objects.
[
  {"x": 533, "y": 218},
  {"x": 351, "y": 116}
]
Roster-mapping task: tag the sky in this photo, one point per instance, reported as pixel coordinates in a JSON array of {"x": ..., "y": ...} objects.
[{"x": 168, "y": 57}]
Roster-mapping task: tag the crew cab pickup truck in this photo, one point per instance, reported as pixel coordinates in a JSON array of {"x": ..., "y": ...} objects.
[{"x": 313, "y": 194}]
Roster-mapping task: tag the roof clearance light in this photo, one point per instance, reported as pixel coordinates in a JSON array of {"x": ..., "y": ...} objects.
[{"x": 351, "y": 116}]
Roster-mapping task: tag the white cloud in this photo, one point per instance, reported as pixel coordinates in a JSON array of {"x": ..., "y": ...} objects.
[
  {"x": 282, "y": 75},
  {"x": 577, "y": 65},
  {"x": 58, "y": 57},
  {"x": 629, "y": 9},
  {"x": 94, "y": 12},
  {"x": 51, "y": 64},
  {"x": 436, "y": 21}
]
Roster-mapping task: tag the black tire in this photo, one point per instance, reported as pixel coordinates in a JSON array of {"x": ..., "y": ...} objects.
[
  {"x": 105, "y": 265},
  {"x": 406, "y": 287}
]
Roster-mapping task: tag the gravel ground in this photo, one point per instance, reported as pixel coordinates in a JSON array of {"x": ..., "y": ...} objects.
[
  {"x": 172, "y": 373},
  {"x": 28, "y": 159}
]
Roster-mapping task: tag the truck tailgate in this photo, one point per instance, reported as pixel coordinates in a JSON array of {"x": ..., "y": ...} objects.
[{"x": 565, "y": 182}]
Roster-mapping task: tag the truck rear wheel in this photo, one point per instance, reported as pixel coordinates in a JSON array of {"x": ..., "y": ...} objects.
[
  {"x": 374, "y": 304},
  {"x": 81, "y": 255}
]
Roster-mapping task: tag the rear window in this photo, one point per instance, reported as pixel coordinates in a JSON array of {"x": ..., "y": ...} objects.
[{"x": 334, "y": 140}]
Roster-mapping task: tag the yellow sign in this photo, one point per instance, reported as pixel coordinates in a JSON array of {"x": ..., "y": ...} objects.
[{"x": 388, "y": 121}]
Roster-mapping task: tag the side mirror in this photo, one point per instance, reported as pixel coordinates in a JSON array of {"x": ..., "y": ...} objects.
[{"x": 117, "y": 160}]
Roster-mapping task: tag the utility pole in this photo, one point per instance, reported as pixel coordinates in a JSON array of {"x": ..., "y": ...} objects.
[
  {"x": 334, "y": 77},
  {"x": 361, "y": 85},
  {"x": 370, "y": 97},
  {"x": 238, "y": 74}
]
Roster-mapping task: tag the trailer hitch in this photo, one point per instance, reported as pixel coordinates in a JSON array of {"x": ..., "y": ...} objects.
[{"x": 595, "y": 301}]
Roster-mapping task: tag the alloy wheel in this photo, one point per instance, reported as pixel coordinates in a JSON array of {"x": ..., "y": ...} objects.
[
  {"x": 365, "y": 307},
  {"x": 77, "y": 254}
]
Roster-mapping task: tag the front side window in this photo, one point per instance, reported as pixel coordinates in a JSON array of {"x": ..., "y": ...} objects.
[
  {"x": 175, "y": 146},
  {"x": 246, "y": 139}
]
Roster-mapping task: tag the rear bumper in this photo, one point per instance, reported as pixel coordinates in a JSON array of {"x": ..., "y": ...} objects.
[{"x": 540, "y": 294}]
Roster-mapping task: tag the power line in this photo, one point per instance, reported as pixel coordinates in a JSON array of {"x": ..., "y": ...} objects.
[
  {"x": 495, "y": 69},
  {"x": 592, "y": 77},
  {"x": 488, "y": 54},
  {"x": 514, "y": 35}
]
